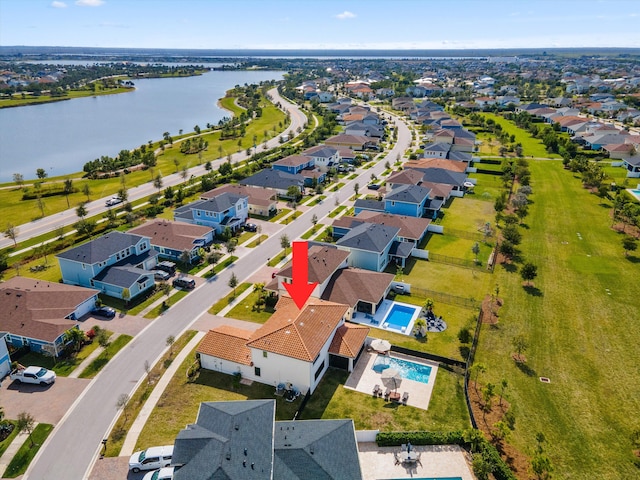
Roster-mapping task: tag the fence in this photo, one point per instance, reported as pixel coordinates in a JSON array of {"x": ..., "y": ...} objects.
[
  {"x": 447, "y": 298},
  {"x": 460, "y": 262},
  {"x": 470, "y": 358},
  {"x": 478, "y": 236},
  {"x": 429, "y": 356},
  {"x": 424, "y": 254}
]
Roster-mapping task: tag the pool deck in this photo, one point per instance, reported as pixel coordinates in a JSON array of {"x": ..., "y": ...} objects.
[
  {"x": 632, "y": 192},
  {"x": 364, "y": 378},
  {"x": 378, "y": 320},
  {"x": 437, "y": 461}
]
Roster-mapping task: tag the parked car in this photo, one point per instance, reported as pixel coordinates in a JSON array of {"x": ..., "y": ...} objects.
[
  {"x": 161, "y": 275},
  {"x": 184, "y": 282},
  {"x": 151, "y": 458},
  {"x": 167, "y": 266},
  {"x": 251, "y": 227},
  {"x": 165, "y": 473},
  {"x": 373, "y": 186},
  {"x": 106, "y": 312},
  {"x": 33, "y": 374}
]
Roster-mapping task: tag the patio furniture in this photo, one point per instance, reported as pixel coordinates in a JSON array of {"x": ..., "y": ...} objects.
[
  {"x": 396, "y": 458},
  {"x": 387, "y": 393},
  {"x": 280, "y": 389},
  {"x": 376, "y": 390},
  {"x": 408, "y": 457},
  {"x": 405, "y": 397},
  {"x": 394, "y": 397}
]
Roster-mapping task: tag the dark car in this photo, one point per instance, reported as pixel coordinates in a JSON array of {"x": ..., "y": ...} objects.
[
  {"x": 184, "y": 282},
  {"x": 373, "y": 186},
  {"x": 168, "y": 267},
  {"x": 106, "y": 312},
  {"x": 251, "y": 227}
]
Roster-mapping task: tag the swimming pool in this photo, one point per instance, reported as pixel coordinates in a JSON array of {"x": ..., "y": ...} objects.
[
  {"x": 417, "y": 372},
  {"x": 635, "y": 192},
  {"x": 401, "y": 317}
]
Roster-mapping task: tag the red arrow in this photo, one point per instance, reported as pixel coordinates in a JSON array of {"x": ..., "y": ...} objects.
[{"x": 299, "y": 288}]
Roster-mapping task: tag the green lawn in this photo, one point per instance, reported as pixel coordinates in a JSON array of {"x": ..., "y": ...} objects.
[
  {"x": 447, "y": 410},
  {"x": 224, "y": 302},
  {"x": 278, "y": 258},
  {"x": 65, "y": 367},
  {"x": 101, "y": 360},
  {"x": 469, "y": 213},
  {"x": 532, "y": 147},
  {"x": 581, "y": 322},
  {"x": 25, "y": 454},
  {"x": 281, "y": 213},
  {"x": 257, "y": 241},
  {"x": 245, "y": 310},
  {"x": 172, "y": 300},
  {"x": 179, "y": 403},
  {"x": 336, "y": 212},
  {"x": 220, "y": 266},
  {"x": 17, "y": 100}
]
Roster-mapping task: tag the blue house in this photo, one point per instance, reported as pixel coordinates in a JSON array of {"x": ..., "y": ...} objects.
[
  {"x": 5, "y": 359},
  {"x": 369, "y": 245},
  {"x": 407, "y": 200},
  {"x": 225, "y": 210},
  {"x": 118, "y": 264},
  {"x": 38, "y": 315},
  {"x": 293, "y": 164}
]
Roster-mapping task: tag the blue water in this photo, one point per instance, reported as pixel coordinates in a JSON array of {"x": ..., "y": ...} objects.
[
  {"x": 399, "y": 316},
  {"x": 409, "y": 370}
]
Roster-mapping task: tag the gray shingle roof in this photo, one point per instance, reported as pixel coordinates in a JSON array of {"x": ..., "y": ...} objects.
[
  {"x": 401, "y": 249},
  {"x": 101, "y": 248},
  {"x": 219, "y": 203},
  {"x": 369, "y": 204},
  {"x": 370, "y": 237},
  {"x": 274, "y": 179},
  {"x": 408, "y": 194},
  {"x": 440, "y": 175},
  {"x": 214, "y": 446},
  {"x": 122, "y": 276},
  {"x": 437, "y": 147},
  {"x": 316, "y": 449}
]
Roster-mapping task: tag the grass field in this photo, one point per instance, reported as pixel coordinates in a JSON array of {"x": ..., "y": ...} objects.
[
  {"x": 245, "y": 310},
  {"x": 101, "y": 360},
  {"x": 224, "y": 302},
  {"x": 26, "y": 453},
  {"x": 532, "y": 147},
  {"x": 581, "y": 324}
]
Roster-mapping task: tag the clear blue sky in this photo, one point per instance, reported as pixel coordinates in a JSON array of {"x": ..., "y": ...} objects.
[{"x": 321, "y": 24}]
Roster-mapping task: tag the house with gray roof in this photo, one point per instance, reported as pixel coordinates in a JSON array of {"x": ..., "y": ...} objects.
[
  {"x": 172, "y": 239},
  {"x": 324, "y": 156},
  {"x": 277, "y": 180},
  {"x": 411, "y": 200},
  {"x": 226, "y": 210},
  {"x": 242, "y": 440},
  {"x": 447, "y": 177},
  {"x": 369, "y": 245},
  {"x": 118, "y": 264}
]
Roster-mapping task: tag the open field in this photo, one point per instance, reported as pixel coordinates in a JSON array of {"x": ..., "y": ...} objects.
[
  {"x": 532, "y": 147},
  {"x": 580, "y": 321}
]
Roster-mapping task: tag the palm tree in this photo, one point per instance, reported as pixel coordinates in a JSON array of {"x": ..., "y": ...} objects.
[{"x": 67, "y": 189}]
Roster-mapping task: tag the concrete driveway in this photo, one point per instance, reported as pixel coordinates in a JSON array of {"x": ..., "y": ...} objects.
[
  {"x": 114, "y": 468},
  {"x": 47, "y": 404}
]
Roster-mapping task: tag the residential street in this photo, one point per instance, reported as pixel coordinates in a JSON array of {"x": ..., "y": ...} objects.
[
  {"x": 97, "y": 207},
  {"x": 78, "y": 436}
]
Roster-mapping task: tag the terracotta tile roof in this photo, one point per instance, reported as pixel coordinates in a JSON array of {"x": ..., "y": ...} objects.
[
  {"x": 257, "y": 195},
  {"x": 350, "y": 285},
  {"x": 228, "y": 343},
  {"x": 348, "y": 340},
  {"x": 175, "y": 235},
  {"x": 437, "y": 163},
  {"x": 297, "y": 333},
  {"x": 37, "y": 309},
  {"x": 323, "y": 261}
]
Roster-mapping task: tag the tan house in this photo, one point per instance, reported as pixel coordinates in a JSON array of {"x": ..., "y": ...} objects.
[{"x": 262, "y": 201}]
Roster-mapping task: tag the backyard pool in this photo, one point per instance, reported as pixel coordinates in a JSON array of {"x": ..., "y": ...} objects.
[
  {"x": 635, "y": 192},
  {"x": 417, "y": 372},
  {"x": 401, "y": 317}
]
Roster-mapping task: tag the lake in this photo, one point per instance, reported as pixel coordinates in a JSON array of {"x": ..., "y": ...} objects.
[{"x": 62, "y": 136}]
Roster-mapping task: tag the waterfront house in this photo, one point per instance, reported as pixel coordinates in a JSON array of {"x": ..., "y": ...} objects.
[
  {"x": 226, "y": 210},
  {"x": 38, "y": 315},
  {"x": 118, "y": 264}
]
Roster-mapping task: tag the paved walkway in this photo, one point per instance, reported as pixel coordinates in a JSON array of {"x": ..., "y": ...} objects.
[
  {"x": 134, "y": 432},
  {"x": 92, "y": 356},
  {"x": 12, "y": 449}
]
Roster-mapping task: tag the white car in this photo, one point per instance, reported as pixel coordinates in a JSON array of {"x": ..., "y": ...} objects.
[
  {"x": 165, "y": 473},
  {"x": 113, "y": 201},
  {"x": 151, "y": 458},
  {"x": 37, "y": 375}
]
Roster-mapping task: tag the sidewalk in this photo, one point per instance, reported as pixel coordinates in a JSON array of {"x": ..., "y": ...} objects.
[
  {"x": 92, "y": 356},
  {"x": 12, "y": 449},
  {"x": 235, "y": 301},
  {"x": 137, "y": 426}
]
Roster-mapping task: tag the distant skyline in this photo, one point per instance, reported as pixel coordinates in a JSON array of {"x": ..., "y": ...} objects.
[{"x": 321, "y": 24}]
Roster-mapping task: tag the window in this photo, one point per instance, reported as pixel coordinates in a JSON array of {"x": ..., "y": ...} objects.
[
  {"x": 264, "y": 354},
  {"x": 256, "y": 371},
  {"x": 318, "y": 371},
  {"x": 84, "y": 267}
]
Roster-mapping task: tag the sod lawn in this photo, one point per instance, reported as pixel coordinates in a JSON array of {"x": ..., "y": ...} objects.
[{"x": 581, "y": 322}]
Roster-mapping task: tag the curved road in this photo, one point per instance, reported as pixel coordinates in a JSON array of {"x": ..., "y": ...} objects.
[
  {"x": 97, "y": 207},
  {"x": 77, "y": 438}
]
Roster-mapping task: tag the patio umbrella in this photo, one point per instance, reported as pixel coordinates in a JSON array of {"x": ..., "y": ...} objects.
[
  {"x": 380, "y": 345},
  {"x": 391, "y": 378}
]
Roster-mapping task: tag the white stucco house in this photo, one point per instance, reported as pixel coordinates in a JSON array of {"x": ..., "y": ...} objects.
[{"x": 294, "y": 346}]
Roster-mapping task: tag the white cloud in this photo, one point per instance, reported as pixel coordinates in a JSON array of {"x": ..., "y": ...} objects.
[
  {"x": 346, "y": 15},
  {"x": 58, "y": 5},
  {"x": 89, "y": 3}
]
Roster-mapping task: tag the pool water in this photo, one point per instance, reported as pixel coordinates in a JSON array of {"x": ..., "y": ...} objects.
[
  {"x": 400, "y": 317},
  {"x": 409, "y": 370}
]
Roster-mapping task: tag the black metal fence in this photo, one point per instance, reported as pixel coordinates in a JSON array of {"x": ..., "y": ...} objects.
[
  {"x": 447, "y": 298},
  {"x": 469, "y": 363}
]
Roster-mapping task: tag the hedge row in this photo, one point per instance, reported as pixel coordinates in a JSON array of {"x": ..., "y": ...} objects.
[{"x": 501, "y": 470}]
